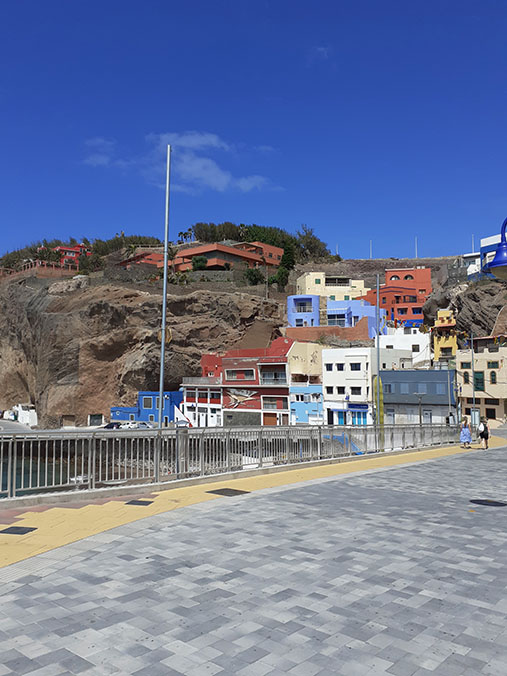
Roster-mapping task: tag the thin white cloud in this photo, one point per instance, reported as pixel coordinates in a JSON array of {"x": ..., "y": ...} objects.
[
  {"x": 193, "y": 169},
  {"x": 319, "y": 53}
]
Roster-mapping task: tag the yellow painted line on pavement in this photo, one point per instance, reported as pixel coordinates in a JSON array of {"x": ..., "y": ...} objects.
[{"x": 58, "y": 526}]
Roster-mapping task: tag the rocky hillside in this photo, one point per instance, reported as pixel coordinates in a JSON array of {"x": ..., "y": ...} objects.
[
  {"x": 476, "y": 306},
  {"x": 75, "y": 348}
]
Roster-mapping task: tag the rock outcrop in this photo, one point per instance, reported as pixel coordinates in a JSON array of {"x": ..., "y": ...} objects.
[
  {"x": 75, "y": 349},
  {"x": 476, "y": 306}
]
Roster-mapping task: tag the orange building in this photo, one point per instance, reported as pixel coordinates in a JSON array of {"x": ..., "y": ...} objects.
[
  {"x": 403, "y": 295},
  {"x": 219, "y": 257}
]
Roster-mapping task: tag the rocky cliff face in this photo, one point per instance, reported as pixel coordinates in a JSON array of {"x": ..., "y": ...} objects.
[
  {"x": 476, "y": 306},
  {"x": 76, "y": 349}
]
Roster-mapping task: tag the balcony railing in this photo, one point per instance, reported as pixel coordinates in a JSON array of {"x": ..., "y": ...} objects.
[
  {"x": 210, "y": 380},
  {"x": 273, "y": 379}
]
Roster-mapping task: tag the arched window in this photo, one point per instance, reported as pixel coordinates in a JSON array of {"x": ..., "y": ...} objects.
[
  {"x": 466, "y": 377},
  {"x": 492, "y": 377},
  {"x": 408, "y": 277},
  {"x": 394, "y": 277}
]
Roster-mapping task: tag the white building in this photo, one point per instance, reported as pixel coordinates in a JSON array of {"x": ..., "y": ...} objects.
[
  {"x": 347, "y": 380},
  {"x": 411, "y": 339}
]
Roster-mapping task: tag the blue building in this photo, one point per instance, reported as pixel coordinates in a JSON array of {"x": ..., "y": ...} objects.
[
  {"x": 350, "y": 312},
  {"x": 306, "y": 404},
  {"x": 147, "y": 408},
  {"x": 303, "y": 310}
]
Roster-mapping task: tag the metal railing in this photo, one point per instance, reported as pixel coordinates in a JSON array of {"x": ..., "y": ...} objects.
[{"x": 36, "y": 462}]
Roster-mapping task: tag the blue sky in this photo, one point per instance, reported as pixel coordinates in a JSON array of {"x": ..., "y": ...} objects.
[{"x": 364, "y": 119}]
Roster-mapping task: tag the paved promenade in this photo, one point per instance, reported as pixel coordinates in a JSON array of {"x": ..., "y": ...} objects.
[{"x": 378, "y": 567}]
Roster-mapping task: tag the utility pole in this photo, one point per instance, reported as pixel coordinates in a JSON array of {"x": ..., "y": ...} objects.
[
  {"x": 472, "y": 417},
  {"x": 377, "y": 412}
]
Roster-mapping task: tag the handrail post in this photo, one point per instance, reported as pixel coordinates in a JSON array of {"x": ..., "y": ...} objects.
[
  {"x": 13, "y": 465},
  {"x": 201, "y": 454},
  {"x": 260, "y": 447},
  {"x": 319, "y": 442},
  {"x": 92, "y": 452},
  {"x": 228, "y": 450},
  {"x": 156, "y": 456},
  {"x": 9, "y": 468}
]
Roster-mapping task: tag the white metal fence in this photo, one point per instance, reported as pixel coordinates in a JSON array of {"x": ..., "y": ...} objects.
[{"x": 35, "y": 462}]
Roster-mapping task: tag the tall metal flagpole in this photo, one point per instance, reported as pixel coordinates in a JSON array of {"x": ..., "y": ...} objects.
[
  {"x": 377, "y": 312},
  {"x": 164, "y": 296}
]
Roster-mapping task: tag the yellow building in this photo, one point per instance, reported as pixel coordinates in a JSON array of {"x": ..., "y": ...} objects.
[
  {"x": 335, "y": 287},
  {"x": 445, "y": 340},
  {"x": 486, "y": 377}
]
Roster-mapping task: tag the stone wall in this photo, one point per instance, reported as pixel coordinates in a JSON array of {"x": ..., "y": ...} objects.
[{"x": 237, "y": 418}]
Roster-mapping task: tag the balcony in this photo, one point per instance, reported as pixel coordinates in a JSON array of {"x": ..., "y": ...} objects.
[
  {"x": 303, "y": 308},
  {"x": 273, "y": 378},
  {"x": 209, "y": 380}
]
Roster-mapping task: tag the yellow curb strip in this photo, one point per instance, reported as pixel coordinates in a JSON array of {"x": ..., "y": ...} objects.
[{"x": 59, "y": 526}]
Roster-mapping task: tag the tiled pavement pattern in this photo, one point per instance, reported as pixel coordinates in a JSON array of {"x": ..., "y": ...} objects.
[{"x": 390, "y": 572}]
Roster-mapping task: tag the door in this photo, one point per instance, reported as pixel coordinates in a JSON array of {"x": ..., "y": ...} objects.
[
  {"x": 389, "y": 415},
  {"x": 426, "y": 417},
  {"x": 269, "y": 419}
]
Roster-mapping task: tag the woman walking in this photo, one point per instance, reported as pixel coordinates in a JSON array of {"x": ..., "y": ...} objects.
[
  {"x": 465, "y": 435},
  {"x": 484, "y": 433}
]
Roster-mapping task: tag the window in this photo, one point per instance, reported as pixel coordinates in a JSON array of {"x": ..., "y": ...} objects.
[
  {"x": 340, "y": 367},
  {"x": 355, "y": 366},
  {"x": 492, "y": 364},
  {"x": 408, "y": 277},
  {"x": 299, "y": 397},
  {"x": 271, "y": 403},
  {"x": 466, "y": 378},
  {"x": 332, "y": 298},
  {"x": 492, "y": 377},
  {"x": 317, "y": 281},
  {"x": 490, "y": 413},
  {"x": 389, "y": 347},
  {"x": 492, "y": 402},
  {"x": 406, "y": 332},
  {"x": 394, "y": 277},
  {"x": 215, "y": 394},
  {"x": 384, "y": 366},
  {"x": 479, "y": 381},
  {"x": 446, "y": 352},
  {"x": 151, "y": 418},
  {"x": 329, "y": 390},
  {"x": 402, "y": 310},
  {"x": 422, "y": 291},
  {"x": 467, "y": 411},
  {"x": 132, "y": 416},
  {"x": 421, "y": 388},
  {"x": 388, "y": 388},
  {"x": 440, "y": 388},
  {"x": 410, "y": 299},
  {"x": 492, "y": 349},
  {"x": 147, "y": 402},
  {"x": 384, "y": 299},
  {"x": 466, "y": 365},
  {"x": 299, "y": 322},
  {"x": 244, "y": 374},
  {"x": 329, "y": 367},
  {"x": 403, "y": 388},
  {"x": 417, "y": 310},
  {"x": 346, "y": 298},
  {"x": 306, "y": 398},
  {"x": 355, "y": 390},
  {"x": 416, "y": 348},
  {"x": 340, "y": 389}
]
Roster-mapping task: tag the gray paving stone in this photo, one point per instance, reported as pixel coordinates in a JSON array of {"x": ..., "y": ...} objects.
[{"x": 385, "y": 572}]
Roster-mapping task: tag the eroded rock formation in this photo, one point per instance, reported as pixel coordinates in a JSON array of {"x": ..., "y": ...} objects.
[{"x": 75, "y": 349}]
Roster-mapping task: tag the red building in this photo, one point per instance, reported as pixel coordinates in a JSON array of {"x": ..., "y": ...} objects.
[
  {"x": 219, "y": 257},
  {"x": 403, "y": 295},
  {"x": 240, "y": 388}
]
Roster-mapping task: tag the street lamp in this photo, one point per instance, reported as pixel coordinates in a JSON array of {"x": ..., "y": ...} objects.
[{"x": 498, "y": 265}]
